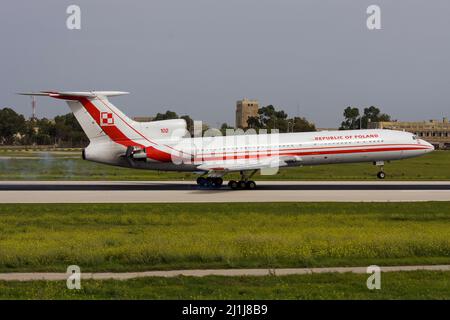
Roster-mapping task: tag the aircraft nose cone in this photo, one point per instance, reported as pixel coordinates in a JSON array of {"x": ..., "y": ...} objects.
[{"x": 430, "y": 146}]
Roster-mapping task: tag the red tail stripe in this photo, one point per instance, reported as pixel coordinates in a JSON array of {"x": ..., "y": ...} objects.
[
  {"x": 112, "y": 131},
  {"x": 124, "y": 121},
  {"x": 139, "y": 133}
]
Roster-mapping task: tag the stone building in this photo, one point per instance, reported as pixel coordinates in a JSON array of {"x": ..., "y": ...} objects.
[
  {"x": 435, "y": 132},
  {"x": 245, "y": 109}
]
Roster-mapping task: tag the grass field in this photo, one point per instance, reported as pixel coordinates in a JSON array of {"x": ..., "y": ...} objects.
[
  {"x": 396, "y": 285},
  {"x": 128, "y": 237},
  {"x": 31, "y": 165}
]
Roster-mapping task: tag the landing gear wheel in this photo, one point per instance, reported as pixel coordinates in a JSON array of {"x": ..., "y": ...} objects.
[
  {"x": 250, "y": 185},
  {"x": 242, "y": 184},
  {"x": 381, "y": 175},
  {"x": 218, "y": 182},
  {"x": 201, "y": 181},
  {"x": 210, "y": 182},
  {"x": 233, "y": 184}
]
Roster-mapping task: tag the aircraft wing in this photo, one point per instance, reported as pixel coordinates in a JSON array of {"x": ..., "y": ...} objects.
[{"x": 233, "y": 166}]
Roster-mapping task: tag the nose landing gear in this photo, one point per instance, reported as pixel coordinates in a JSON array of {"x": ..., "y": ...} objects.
[{"x": 380, "y": 175}]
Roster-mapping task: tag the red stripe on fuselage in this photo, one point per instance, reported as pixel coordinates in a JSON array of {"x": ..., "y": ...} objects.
[
  {"x": 328, "y": 152},
  {"x": 158, "y": 155},
  {"x": 310, "y": 148}
]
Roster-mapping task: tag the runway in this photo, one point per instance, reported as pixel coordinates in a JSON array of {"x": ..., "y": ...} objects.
[
  {"x": 188, "y": 191},
  {"x": 48, "y": 276}
]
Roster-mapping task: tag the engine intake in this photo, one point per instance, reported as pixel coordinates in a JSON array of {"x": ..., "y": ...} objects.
[{"x": 136, "y": 153}]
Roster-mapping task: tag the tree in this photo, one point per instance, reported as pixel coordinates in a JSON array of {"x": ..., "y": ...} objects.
[
  {"x": 165, "y": 116},
  {"x": 29, "y": 132},
  {"x": 45, "y": 132},
  {"x": 374, "y": 115},
  {"x": 224, "y": 127},
  {"x": 302, "y": 125},
  {"x": 254, "y": 123},
  {"x": 270, "y": 118},
  {"x": 68, "y": 131},
  {"x": 11, "y": 124},
  {"x": 273, "y": 119},
  {"x": 351, "y": 116},
  {"x": 354, "y": 121}
]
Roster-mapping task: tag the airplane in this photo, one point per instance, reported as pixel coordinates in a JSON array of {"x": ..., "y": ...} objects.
[{"x": 117, "y": 140}]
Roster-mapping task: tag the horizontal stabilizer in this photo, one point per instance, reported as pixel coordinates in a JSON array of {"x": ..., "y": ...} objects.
[{"x": 89, "y": 94}]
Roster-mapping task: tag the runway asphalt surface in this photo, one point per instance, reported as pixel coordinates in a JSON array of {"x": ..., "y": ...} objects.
[
  {"x": 188, "y": 191},
  {"x": 33, "y": 276}
]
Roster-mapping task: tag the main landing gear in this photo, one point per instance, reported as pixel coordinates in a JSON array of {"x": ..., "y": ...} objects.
[
  {"x": 241, "y": 184},
  {"x": 215, "y": 182},
  {"x": 380, "y": 174},
  {"x": 244, "y": 183}
]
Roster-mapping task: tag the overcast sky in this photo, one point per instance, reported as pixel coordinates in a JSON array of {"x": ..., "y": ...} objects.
[{"x": 198, "y": 57}]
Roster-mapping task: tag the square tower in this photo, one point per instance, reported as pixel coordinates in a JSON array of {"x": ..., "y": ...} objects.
[{"x": 245, "y": 109}]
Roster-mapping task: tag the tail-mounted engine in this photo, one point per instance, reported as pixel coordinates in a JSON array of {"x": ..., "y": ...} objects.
[
  {"x": 136, "y": 153},
  {"x": 149, "y": 154}
]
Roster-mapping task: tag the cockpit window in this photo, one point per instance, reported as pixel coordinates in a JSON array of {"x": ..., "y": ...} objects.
[{"x": 414, "y": 137}]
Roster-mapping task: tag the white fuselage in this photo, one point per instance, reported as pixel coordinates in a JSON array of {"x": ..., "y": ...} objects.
[
  {"x": 291, "y": 149},
  {"x": 116, "y": 139}
]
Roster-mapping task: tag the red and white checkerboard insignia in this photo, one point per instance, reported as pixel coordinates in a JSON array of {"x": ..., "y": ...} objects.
[{"x": 106, "y": 119}]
